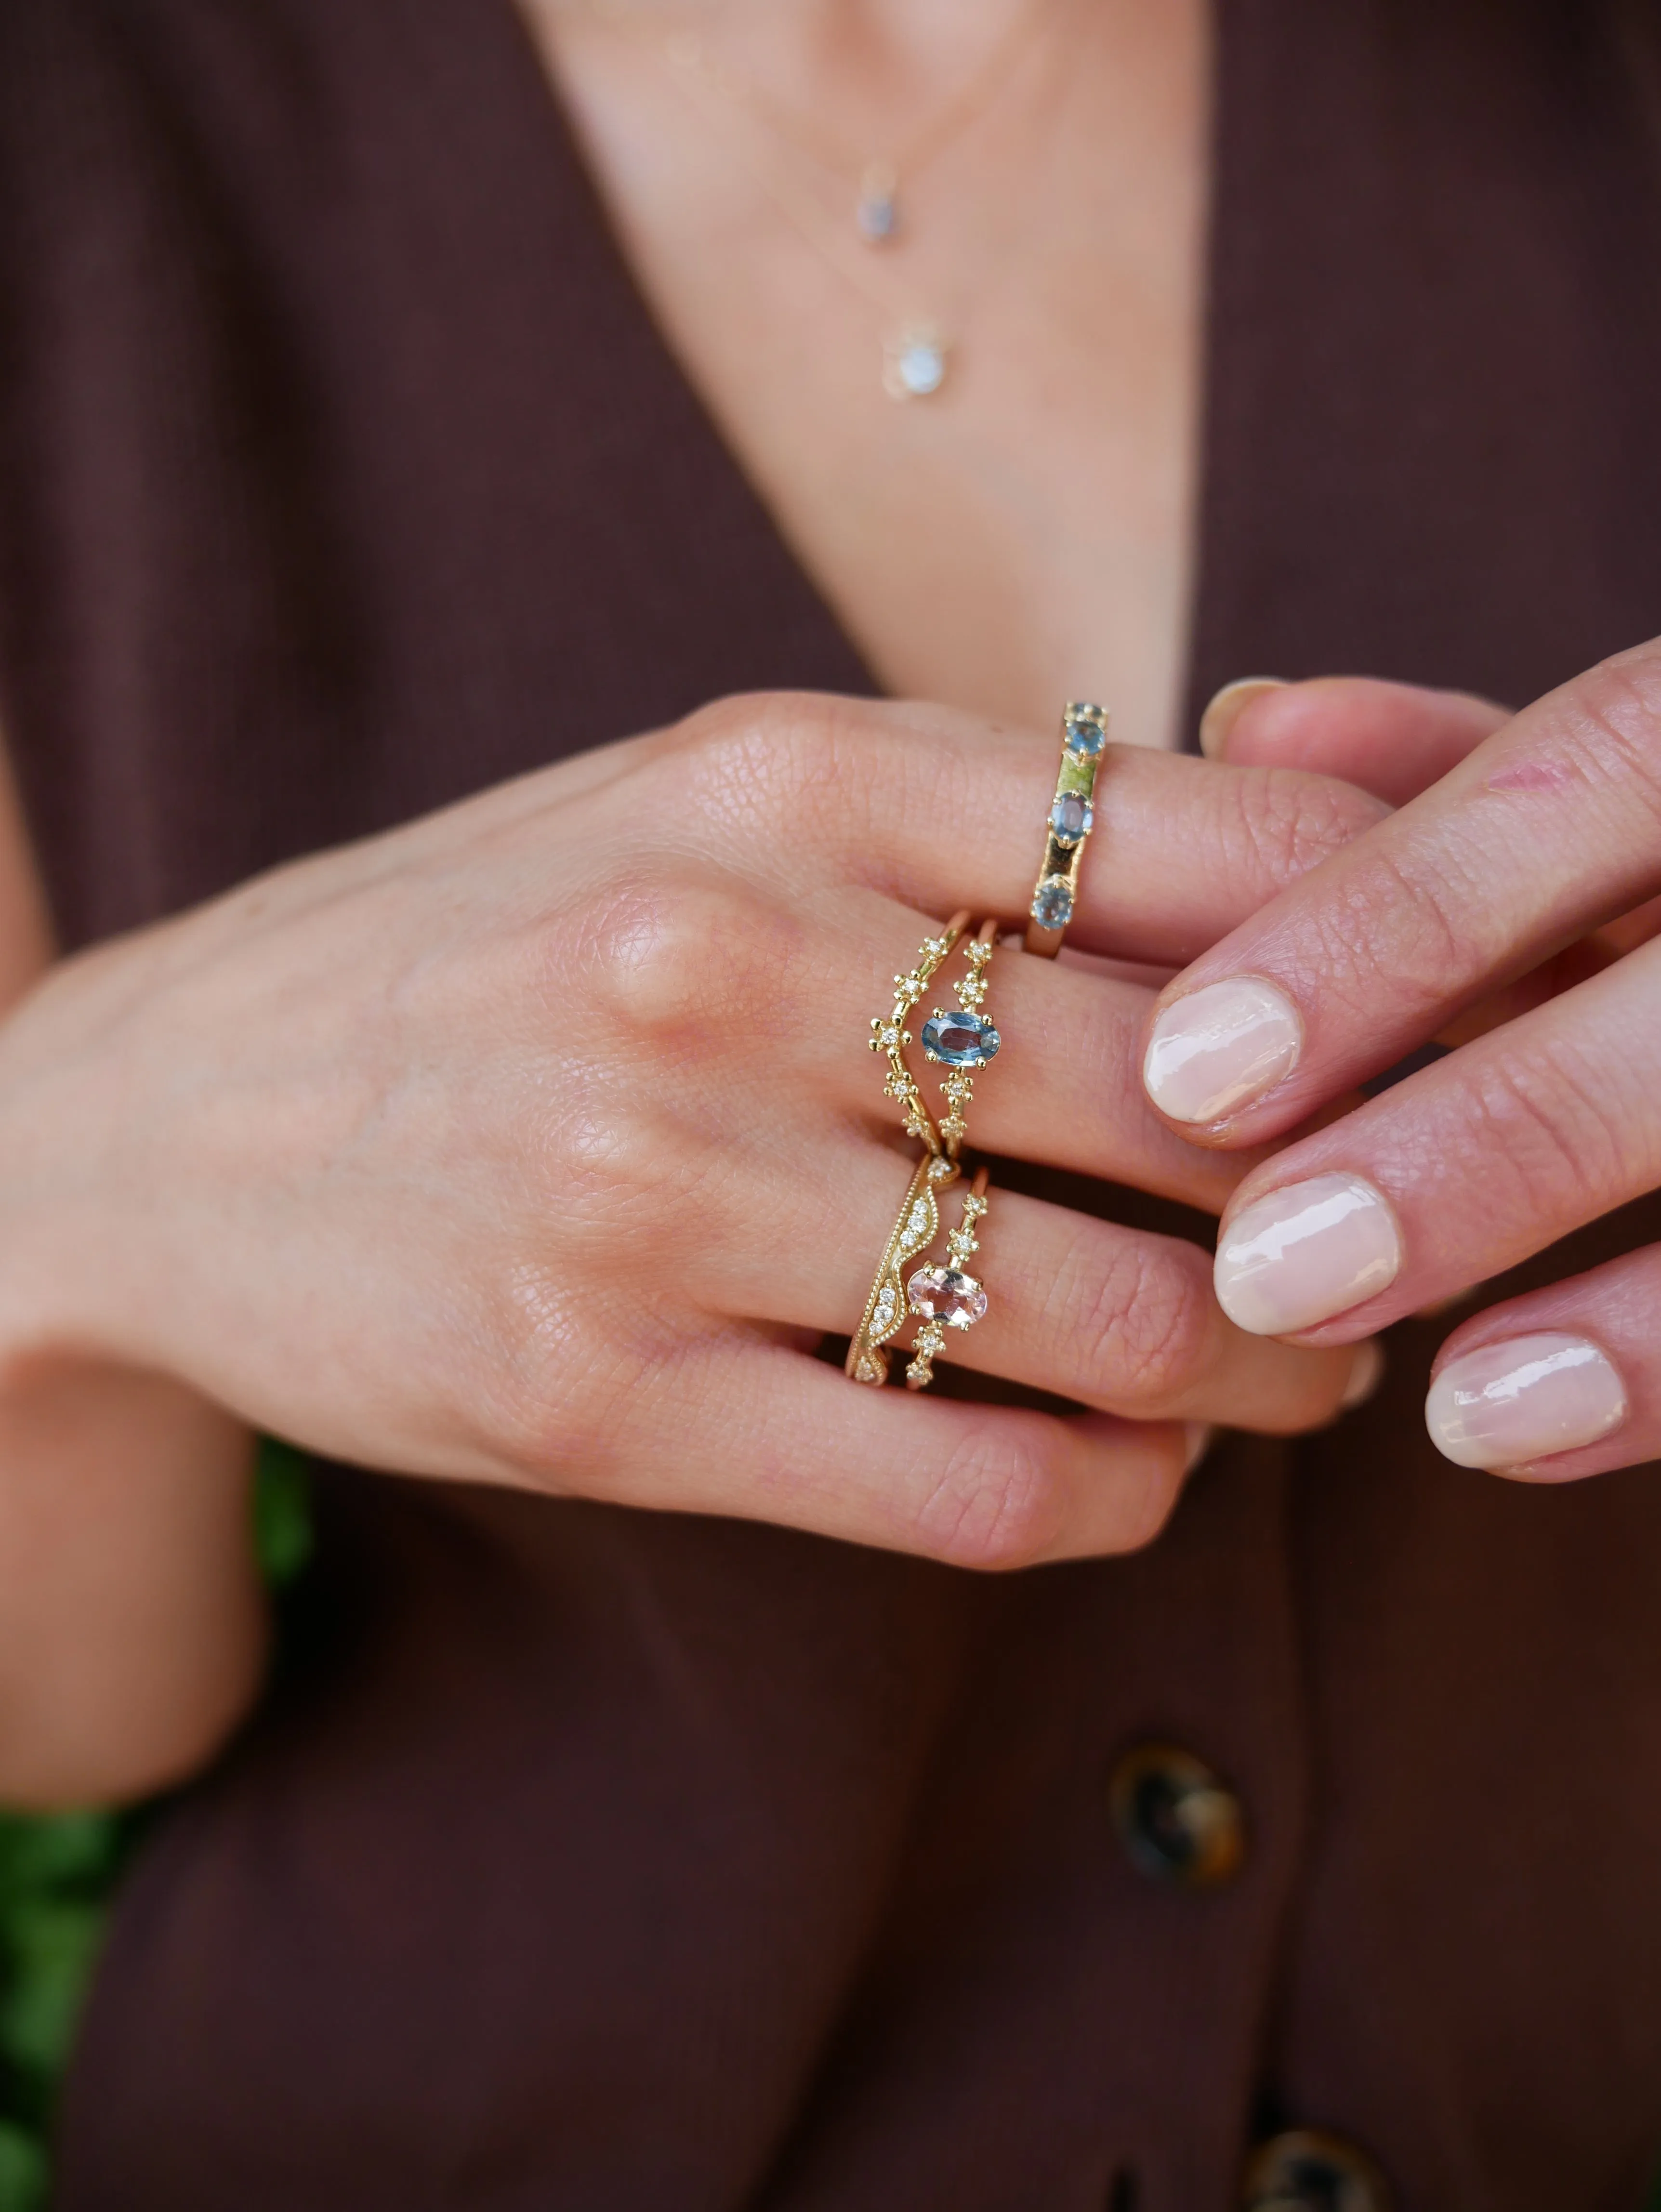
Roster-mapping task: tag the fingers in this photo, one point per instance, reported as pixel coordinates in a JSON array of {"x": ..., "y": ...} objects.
[
  {"x": 939, "y": 811},
  {"x": 1549, "y": 828},
  {"x": 1107, "y": 1316},
  {"x": 1563, "y": 1383},
  {"x": 1393, "y": 739},
  {"x": 1065, "y": 1088},
  {"x": 762, "y": 1432},
  {"x": 780, "y": 1005},
  {"x": 1458, "y": 1173}
]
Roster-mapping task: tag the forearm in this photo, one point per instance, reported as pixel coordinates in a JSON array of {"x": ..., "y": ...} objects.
[{"x": 132, "y": 1626}]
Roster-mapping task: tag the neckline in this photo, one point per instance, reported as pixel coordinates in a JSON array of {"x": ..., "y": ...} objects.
[{"x": 656, "y": 353}]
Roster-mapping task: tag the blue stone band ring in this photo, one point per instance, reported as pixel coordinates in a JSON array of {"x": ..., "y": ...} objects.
[{"x": 1072, "y": 818}]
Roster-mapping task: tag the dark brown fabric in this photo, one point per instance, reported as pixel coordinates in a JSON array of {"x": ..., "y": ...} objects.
[{"x": 597, "y": 1862}]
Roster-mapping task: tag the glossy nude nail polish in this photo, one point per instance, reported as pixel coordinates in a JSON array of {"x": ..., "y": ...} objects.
[
  {"x": 1305, "y": 1253},
  {"x": 1525, "y": 1399},
  {"x": 1219, "y": 1047}
]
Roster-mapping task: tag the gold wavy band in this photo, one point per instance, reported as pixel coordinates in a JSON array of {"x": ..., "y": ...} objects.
[
  {"x": 914, "y": 1232},
  {"x": 890, "y": 1034}
]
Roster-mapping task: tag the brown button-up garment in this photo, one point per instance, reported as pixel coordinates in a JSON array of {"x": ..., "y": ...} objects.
[{"x": 585, "y": 1861}]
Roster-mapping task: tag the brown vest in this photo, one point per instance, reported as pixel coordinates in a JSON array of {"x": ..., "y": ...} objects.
[{"x": 585, "y": 1861}]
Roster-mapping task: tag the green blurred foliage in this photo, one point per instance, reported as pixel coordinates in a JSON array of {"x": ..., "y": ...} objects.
[{"x": 57, "y": 1874}]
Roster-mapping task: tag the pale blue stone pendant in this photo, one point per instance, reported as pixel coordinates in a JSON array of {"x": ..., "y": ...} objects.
[{"x": 878, "y": 212}]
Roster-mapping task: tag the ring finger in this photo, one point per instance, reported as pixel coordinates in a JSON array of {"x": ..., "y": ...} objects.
[{"x": 1110, "y": 1317}]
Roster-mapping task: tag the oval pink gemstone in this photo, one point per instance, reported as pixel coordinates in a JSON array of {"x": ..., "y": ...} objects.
[{"x": 946, "y": 1294}]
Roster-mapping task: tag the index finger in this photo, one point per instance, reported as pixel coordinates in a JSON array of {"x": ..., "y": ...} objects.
[{"x": 1546, "y": 830}]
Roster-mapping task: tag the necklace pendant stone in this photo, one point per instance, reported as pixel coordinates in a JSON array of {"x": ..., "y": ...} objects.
[
  {"x": 914, "y": 364},
  {"x": 878, "y": 212},
  {"x": 879, "y": 218}
]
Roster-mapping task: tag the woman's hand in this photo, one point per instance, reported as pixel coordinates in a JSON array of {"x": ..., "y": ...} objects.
[
  {"x": 536, "y": 1143},
  {"x": 1510, "y": 910}
]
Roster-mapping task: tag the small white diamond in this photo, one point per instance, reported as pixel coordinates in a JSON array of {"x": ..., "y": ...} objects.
[{"x": 914, "y": 366}]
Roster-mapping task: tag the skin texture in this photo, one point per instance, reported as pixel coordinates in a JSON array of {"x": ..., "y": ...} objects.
[
  {"x": 275, "y": 1163},
  {"x": 1025, "y": 536},
  {"x": 1512, "y": 909},
  {"x": 533, "y": 1188}
]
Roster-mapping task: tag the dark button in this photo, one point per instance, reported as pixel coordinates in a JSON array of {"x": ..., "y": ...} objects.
[
  {"x": 1178, "y": 1821},
  {"x": 1306, "y": 2171}
]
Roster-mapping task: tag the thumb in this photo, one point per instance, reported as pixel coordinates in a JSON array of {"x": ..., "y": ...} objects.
[{"x": 1395, "y": 740}]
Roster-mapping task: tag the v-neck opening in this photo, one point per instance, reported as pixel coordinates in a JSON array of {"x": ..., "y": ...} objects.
[{"x": 566, "y": 142}]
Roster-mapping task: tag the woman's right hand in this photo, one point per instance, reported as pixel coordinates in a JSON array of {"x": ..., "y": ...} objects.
[{"x": 537, "y": 1142}]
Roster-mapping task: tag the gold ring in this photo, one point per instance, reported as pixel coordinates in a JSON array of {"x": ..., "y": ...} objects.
[
  {"x": 914, "y": 1232},
  {"x": 949, "y": 1296},
  {"x": 891, "y": 1037},
  {"x": 1072, "y": 817},
  {"x": 960, "y": 1042}
]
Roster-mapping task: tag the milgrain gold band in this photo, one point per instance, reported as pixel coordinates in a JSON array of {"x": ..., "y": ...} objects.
[
  {"x": 891, "y": 1037},
  {"x": 949, "y": 1296},
  {"x": 1072, "y": 817},
  {"x": 914, "y": 1232}
]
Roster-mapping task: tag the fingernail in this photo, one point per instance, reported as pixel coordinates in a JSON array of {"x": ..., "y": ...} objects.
[
  {"x": 1365, "y": 1374},
  {"x": 1219, "y": 1047},
  {"x": 1509, "y": 1403},
  {"x": 1305, "y": 1253},
  {"x": 1226, "y": 708},
  {"x": 1199, "y": 1435}
]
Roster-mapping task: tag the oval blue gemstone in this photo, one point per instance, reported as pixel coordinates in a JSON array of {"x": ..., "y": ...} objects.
[
  {"x": 1052, "y": 903},
  {"x": 1085, "y": 740},
  {"x": 960, "y": 1040},
  {"x": 1071, "y": 818}
]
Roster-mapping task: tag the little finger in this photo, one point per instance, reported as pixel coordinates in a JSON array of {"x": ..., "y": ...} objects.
[{"x": 1564, "y": 1382}]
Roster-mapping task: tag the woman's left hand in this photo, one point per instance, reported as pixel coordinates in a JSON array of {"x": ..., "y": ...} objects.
[{"x": 1524, "y": 872}]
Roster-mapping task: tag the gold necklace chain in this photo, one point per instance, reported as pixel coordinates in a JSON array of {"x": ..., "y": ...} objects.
[
  {"x": 878, "y": 176},
  {"x": 917, "y": 345}
]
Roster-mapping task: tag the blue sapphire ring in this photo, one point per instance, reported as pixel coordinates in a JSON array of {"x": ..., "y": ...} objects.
[
  {"x": 961, "y": 1039},
  {"x": 1072, "y": 817}
]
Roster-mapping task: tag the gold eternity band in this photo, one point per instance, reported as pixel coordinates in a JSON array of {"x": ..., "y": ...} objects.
[{"x": 1072, "y": 817}]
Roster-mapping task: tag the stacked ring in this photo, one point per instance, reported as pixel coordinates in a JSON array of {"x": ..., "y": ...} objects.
[
  {"x": 960, "y": 1039},
  {"x": 963, "y": 1039},
  {"x": 912, "y": 1232},
  {"x": 948, "y": 1297},
  {"x": 1072, "y": 817},
  {"x": 890, "y": 1034}
]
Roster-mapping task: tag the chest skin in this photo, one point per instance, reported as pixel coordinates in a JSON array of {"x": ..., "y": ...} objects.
[{"x": 1025, "y": 534}]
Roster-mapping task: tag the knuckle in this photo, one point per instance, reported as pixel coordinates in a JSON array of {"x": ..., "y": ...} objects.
[
  {"x": 674, "y": 954},
  {"x": 1431, "y": 941},
  {"x": 747, "y": 763},
  {"x": 1614, "y": 726},
  {"x": 1287, "y": 822},
  {"x": 1537, "y": 1115},
  {"x": 1137, "y": 1312},
  {"x": 552, "y": 1397},
  {"x": 996, "y": 1506}
]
